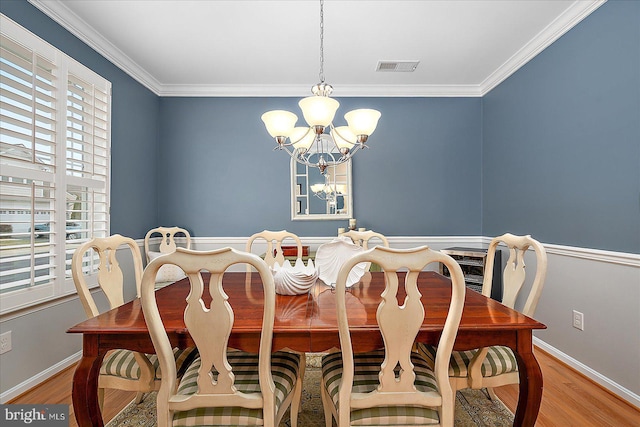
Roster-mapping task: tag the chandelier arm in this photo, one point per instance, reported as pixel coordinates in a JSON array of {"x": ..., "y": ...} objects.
[
  {"x": 291, "y": 143},
  {"x": 305, "y": 160},
  {"x": 285, "y": 148}
]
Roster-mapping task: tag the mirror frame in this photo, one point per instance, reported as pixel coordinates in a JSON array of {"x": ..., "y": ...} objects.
[{"x": 296, "y": 216}]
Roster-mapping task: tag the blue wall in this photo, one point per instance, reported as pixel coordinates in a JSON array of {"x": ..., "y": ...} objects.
[
  {"x": 421, "y": 175},
  {"x": 561, "y": 140},
  {"x": 553, "y": 151},
  {"x": 134, "y": 124}
]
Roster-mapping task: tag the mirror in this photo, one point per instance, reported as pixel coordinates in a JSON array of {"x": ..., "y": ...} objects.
[{"x": 321, "y": 197}]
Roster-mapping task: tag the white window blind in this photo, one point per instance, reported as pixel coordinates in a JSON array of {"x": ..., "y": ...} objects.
[{"x": 55, "y": 119}]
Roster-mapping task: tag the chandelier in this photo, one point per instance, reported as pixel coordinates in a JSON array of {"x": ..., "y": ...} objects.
[
  {"x": 328, "y": 191},
  {"x": 332, "y": 193},
  {"x": 310, "y": 145}
]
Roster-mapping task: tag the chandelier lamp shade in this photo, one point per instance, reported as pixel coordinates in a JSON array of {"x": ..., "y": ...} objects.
[
  {"x": 328, "y": 190},
  {"x": 320, "y": 144}
]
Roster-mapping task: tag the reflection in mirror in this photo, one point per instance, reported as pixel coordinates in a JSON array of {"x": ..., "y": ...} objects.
[{"x": 318, "y": 196}]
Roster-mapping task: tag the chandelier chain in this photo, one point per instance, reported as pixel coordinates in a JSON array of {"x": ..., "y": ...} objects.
[{"x": 321, "y": 41}]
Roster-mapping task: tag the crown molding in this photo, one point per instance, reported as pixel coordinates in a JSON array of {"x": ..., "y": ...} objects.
[
  {"x": 341, "y": 91},
  {"x": 552, "y": 32},
  {"x": 60, "y": 13},
  {"x": 70, "y": 21}
]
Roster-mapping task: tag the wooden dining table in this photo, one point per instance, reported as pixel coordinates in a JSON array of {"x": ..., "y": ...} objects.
[{"x": 308, "y": 323}]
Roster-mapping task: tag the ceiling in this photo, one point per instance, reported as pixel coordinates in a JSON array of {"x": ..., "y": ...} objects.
[{"x": 272, "y": 48}]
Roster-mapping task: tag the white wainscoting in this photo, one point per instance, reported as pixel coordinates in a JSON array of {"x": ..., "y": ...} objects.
[{"x": 579, "y": 278}]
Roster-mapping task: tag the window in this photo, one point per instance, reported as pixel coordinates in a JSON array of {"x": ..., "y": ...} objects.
[{"x": 55, "y": 137}]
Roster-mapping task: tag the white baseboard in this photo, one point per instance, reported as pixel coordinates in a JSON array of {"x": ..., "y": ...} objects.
[
  {"x": 39, "y": 378},
  {"x": 595, "y": 376}
]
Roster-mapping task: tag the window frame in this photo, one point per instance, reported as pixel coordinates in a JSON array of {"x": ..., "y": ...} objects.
[{"x": 94, "y": 215}]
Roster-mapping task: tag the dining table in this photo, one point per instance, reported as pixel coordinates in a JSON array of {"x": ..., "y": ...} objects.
[{"x": 308, "y": 323}]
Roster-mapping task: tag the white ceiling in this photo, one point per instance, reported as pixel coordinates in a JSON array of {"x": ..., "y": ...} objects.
[{"x": 272, "y": 48}]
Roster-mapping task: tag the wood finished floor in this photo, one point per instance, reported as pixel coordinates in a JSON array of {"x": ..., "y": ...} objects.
[{"x": 568, "y": 400}]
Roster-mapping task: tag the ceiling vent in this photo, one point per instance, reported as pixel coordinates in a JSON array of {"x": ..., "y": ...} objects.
[{"x": 397, "y": 66}]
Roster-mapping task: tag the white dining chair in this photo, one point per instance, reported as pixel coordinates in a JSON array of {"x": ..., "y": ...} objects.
[
  {"x": 168, "y": 240},
  {"x": 169, "y": 273},
  {"x": 396, "y": 385},
  {"x": 274, "y": 241},
  {"x": 220, "y": 387},
  {"x": 121, "y": 369},
  {"x": 362, "y": 238},
  {"x": 495, "y": 366}
]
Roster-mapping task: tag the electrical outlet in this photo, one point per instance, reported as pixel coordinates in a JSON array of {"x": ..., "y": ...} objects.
[
  {"x": 5, "y": 342},
  {"x": 578, "y": 320}
]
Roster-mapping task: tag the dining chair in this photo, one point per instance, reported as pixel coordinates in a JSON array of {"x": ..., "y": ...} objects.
[
  {"x": 393, "y": 386},
  {"x": 168, "y": 243},
  {"x": 120, "y": 369},
  {"x": 220, "y": 387},
  {"x": 274, "y": 245},
  {"x": 169, "y": 273},
  {"x": 495, "y": 366},
  {"x": 361, "y": 238}
]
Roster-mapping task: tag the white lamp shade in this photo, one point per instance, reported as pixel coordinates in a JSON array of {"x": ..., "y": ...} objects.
[
  {"x": 302, "y": 137},
  {"x": 343, "y": 137},
  {"x": 363, "y": 121},
  {"x": 279, "y": 122},
  {"x": 316, "y": 188},
  {"x": 318, "y": 110}
]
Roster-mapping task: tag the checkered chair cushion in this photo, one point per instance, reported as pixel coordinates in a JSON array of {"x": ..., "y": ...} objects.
[
  {"x": 500, "y": 360},
  {"x": 122, "y": 363},
  {"x": 284, "y": 368},
  {"x": 367, "y": 368}
]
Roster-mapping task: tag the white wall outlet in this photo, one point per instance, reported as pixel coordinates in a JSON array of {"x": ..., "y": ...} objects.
[
  {"x": 5, "y": 342},
  {"x": 578, "y": 320}
]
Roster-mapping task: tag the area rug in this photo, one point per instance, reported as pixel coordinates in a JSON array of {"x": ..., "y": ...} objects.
[{"x": 473, "y": 408}]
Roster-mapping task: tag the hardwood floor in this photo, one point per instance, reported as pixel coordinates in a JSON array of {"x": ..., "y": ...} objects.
[{"x": 569, "y": 399}]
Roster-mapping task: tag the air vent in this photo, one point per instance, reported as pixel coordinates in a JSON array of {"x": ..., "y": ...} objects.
[{"x": 397, "y": 66}]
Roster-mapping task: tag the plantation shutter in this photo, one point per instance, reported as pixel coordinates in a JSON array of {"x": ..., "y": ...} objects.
[
  {"x": 55, "y": 136},
  {"x": 87, "y": 161},
  {"x": 27, "y": 177}
]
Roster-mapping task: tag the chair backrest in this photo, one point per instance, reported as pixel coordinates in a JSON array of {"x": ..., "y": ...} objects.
[
  {"x": 399, "y": 326},
  {"x": 274, "y": 243},
  {"x": 514, "y": 272},
  {"x": 110, "y": 276},
  {"x": 168, "y": 242},
  {"x": 210, "y": 329},
  {"x": 361, "y": 238}
]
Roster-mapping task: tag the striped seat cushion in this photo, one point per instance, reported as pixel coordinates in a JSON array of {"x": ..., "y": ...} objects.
[
  {"x": 499, "y": 360},
  {"x": 122, "y": 363},
  {"x": 285, "y": 368},
  {"x": 367, "y": 368}
]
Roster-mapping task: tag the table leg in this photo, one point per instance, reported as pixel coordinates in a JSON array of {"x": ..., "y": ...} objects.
[
  {"x": 85, "y": 385},
  {"x": 530, "y": 382}
]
